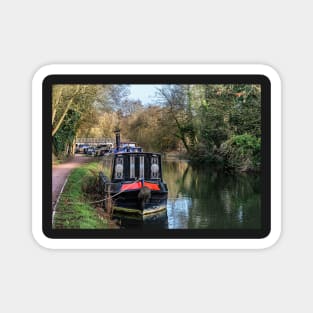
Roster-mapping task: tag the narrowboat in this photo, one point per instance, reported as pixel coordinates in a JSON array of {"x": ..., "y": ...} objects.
[{"x": 135, "y": 183}]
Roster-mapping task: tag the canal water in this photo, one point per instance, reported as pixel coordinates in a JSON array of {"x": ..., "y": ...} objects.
[{"x": 200, "y": 198}]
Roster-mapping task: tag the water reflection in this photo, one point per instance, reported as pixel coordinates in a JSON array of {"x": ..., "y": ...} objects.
[
  {"x": 202, "y": 198},
  {"x": 178, "y": 212}
]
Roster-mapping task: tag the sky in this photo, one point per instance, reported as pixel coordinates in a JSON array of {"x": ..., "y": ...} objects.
[{"x": 146, "y": 93}]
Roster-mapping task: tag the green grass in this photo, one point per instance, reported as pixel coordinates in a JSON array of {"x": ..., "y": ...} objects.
[{"x": 73, "y": 210}]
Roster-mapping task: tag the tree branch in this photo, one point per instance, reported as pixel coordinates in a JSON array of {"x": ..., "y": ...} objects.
[
  {"x": 56, "y": 128},
  {"x": 54, "y": 109}
]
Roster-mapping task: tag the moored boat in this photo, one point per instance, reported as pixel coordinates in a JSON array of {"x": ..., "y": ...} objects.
[{"x": 135, "y": 184}]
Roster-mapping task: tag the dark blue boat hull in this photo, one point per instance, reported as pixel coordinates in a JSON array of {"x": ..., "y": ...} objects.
[{"x": 128, "y": 202}]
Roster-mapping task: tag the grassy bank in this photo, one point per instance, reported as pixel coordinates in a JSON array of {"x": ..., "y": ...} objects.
[{"x": 74, "y": 210}]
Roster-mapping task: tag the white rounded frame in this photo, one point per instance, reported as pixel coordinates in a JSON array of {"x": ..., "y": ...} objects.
[{"x": 107, "y": 69}]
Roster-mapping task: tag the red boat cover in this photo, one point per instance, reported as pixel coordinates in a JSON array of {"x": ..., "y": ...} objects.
[
  {"x": 138, "y": 185},
  {"x": 152, "y": 186}
]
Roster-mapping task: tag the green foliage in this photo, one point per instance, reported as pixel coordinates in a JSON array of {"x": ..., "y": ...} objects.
[
  {"x": 64, "y": 137},
  {"x": 242, "y": 152},
  {"x": 208, "y": 117}
]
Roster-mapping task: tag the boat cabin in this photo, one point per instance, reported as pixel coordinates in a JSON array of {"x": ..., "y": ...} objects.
[{"x": 136, "y": 166}]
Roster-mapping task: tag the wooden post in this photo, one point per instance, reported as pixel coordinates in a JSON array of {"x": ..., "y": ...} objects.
[{"x": 108, "y": 200}]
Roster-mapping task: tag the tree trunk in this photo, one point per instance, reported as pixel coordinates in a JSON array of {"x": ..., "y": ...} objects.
[
  {"x": 181, "y": 133},
  {"x": 56, "y": 128},
  {"x": 54, "y": 109}
]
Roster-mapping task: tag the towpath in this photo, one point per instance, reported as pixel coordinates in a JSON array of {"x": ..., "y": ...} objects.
[{"x": 60, "y": 173}]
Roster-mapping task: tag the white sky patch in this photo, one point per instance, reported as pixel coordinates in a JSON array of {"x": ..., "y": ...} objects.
[{"x": 145, "y": 93}]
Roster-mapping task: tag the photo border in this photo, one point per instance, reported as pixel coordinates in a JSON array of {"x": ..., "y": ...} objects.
[{"x": 156, "y": 74}]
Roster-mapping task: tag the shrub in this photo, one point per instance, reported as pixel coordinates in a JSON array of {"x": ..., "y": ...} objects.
[{"x": 242, "y": 152}]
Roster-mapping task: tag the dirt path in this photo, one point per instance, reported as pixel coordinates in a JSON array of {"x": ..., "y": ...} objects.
[{"x": 60, "y": 173}]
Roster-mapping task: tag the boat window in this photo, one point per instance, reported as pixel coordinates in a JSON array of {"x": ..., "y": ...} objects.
[
  {"x": 119, "y": 168},
  {"x": 132, "y": 167},
  {"x": 141, "y": 166},
  {"x": 155, "y": 170}
]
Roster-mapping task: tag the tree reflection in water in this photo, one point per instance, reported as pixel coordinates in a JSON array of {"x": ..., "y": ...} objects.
[{"x": 202, "y": 198}]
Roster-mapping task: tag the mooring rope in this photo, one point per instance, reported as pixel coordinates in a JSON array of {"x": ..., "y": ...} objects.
[
  {"x": 115, "y": 195},
  {"x": 97, "y": 201},
  {"x": 102, "y": 200}
]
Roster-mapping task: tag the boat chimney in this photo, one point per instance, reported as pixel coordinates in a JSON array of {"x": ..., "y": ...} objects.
[{"x": 117, "y": 138}]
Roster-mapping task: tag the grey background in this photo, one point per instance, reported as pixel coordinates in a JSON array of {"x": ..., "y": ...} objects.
[{"x": 35, "y": 33}]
